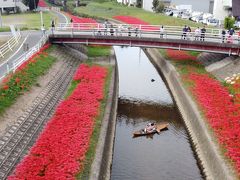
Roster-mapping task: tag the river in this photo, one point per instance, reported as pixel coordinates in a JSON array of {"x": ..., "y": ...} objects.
[{"x": 143, "y": 98}]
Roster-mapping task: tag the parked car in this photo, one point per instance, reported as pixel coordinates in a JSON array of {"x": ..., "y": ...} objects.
[
  {"x": 186, "y": 15},
  {"x": 177, "y": 13},
  {"x": 168, "y": 12},
  {"x": 213, "y": 22},
  {"x": 237, "y": 24}
]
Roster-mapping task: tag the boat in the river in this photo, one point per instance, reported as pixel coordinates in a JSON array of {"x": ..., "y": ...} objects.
[{"x": 159, "y": 127}]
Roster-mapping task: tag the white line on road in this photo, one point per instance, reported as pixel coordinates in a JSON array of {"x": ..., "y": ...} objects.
[{"x": 16, "y": 51}]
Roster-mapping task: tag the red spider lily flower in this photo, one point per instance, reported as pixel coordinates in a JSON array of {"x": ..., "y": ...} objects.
[
  {"x": 17, "y": 80},
  {"x": 60, "y": 150},
  {"x": 5, "y": 87}
]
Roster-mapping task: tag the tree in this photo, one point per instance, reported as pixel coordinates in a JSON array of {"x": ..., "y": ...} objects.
[
  {"x": 155, "y": 4},
  {"x": 139, "y": 3},
  {"x": 229, "y": 22},
  {"x": 160, "y": 7},
  {"x": 32, "y": 4}
]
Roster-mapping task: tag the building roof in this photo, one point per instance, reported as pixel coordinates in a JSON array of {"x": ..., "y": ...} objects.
[{"x": 236, "y": 7}]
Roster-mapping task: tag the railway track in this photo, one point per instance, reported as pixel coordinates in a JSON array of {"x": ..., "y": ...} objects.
[{"x": 19, "y": 138}]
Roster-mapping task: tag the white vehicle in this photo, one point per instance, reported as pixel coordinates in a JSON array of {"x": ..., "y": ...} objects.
[
  {"x": 186, "y": 15},
  {"x": 213, "y": 22},
  {"x": 177, "y": 13},
  {"x": 237, "y": 24},
  {"x": 206, "y": 17},
  {"x": 168, "y": 12},
  {"x": 195, "y": 15}
]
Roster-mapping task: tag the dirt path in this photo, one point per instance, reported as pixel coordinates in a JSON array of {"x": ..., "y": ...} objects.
[{"x": 24, "y": 101}]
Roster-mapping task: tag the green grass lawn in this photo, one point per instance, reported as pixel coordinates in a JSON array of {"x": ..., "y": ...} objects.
[
  {"x": 110, "y": 9},
  {"x": 28, "y": 20},
  {"x": 96, "y": 51}
]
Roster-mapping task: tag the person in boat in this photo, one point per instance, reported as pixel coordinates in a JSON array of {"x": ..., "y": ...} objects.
[{"x": 150, "y": 127}]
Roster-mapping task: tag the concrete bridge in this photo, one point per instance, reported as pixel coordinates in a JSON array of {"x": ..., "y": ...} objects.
[{"x": 145, "y": 36}]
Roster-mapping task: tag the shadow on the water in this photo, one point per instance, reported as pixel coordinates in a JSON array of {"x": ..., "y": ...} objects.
[{"x": 139, "y": 111}]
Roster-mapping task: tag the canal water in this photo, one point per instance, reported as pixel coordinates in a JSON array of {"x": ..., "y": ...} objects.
[{"x": 143, "y": 98}]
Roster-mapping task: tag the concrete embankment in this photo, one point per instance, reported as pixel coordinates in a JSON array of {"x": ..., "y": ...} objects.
[
  {"x": 207, "y": 150},
  {"x": 101, "y": 166}
]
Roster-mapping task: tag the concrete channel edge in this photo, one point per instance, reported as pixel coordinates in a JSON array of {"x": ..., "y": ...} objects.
[
  {"x": 101, "y": 166},
  {"x": 207, "y": 150}
]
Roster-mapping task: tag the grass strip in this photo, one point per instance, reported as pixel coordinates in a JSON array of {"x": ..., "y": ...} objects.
[
  {"x": 99, "y": 51},
  {"x": 22, "y": 80},
  {"x": 84, "y": 174}
]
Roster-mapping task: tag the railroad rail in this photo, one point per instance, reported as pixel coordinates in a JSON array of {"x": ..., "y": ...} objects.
[{"x": 18, "y": 139}]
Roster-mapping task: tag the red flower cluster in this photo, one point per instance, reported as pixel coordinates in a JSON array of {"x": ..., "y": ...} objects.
[
  {"x": 130, "y": 20},
  {"x": 179, "y": 55},
  {"x": 134, "y": 20},
  {"x": 60, "y": 150},
  {"x": 42, "y": 3},
  {"x": 222, "y": 114},
  {"x": 77, "y": 19},
  {"x": 82, "y": 21}
]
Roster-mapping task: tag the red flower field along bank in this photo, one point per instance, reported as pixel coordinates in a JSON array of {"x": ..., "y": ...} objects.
[
  {"x": 145, "y": 26},
  {"x": 219, "y": 108},
  {"x": 82, "y": 23},
  {"x": 179, "y": 55},
  {"x": 60, "y": 150},
  {"x": 221, "y": 112}
]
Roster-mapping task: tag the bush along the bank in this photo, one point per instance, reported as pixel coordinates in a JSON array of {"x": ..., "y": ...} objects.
[
  {"x": 59, "y": 152},
  {"x": 24, "y": 77},
  {"x": 221, "y": 110}
]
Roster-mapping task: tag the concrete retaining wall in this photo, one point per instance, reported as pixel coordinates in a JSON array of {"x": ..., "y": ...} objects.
[
  {"x": 208, "y": 152},
  {"x": 101, "y": 166}
]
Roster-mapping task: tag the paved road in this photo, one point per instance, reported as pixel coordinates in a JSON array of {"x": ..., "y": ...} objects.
[{"x": 30, "y": 39}]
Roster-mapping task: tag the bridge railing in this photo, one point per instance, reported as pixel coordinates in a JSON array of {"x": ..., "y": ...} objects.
[
  {"x": 9, "y": 45},
  {"x": 141, "y": 31}
]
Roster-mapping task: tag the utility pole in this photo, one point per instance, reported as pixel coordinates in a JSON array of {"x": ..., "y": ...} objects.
[
  {"x": 0, "y": 17},
  {"x": 41, "y": 15}
]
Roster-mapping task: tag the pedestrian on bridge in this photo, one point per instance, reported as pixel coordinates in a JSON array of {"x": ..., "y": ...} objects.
[
  {"x": 136, "y": 31},
  {"x": 161, "y": 31},
  {"x": 188, "y": 32},
  {"x": 184, "y": 32},
  {"x": 52, "y": 25},
  {"x": 129, "y": 31},
  {"x": 120, "y": 29},
  {"x": 238, "y": 37},
  {"x": 105, "y": 27},
  {"x": 203, "y": 31},
  {"x": 197, "y": 34},
  {"x": 43, "y": 30},
  {"x": 111, "y": 30},
  {"x": 223, "y": 35}
]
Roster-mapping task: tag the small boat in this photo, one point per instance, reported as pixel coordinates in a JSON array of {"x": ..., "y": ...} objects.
[{"x": 159, "y": 127}]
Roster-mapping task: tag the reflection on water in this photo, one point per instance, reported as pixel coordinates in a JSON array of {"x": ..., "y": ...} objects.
[{"x": 164, "y": 156}]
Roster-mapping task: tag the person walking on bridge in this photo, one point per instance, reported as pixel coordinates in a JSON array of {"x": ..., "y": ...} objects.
[
  {"x": 197, "y": 34},
  {"x": 161, "y": 31},
  {"x": 203, "y": 31},
  {"x": 184, "y": 32},
  {"x": 105, "y": 27},
  {"x": 223, "y": 35}
]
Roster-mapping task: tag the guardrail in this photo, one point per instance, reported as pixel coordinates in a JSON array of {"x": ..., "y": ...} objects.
[
  {"x": 8, "y": 66},
  {"x": 9, "y": 45},
  {"x": 141, "y": 31}
]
